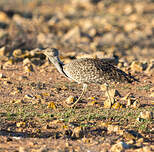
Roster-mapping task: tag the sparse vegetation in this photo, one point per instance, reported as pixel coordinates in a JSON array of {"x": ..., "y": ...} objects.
[{"x": 34, "y": 114}]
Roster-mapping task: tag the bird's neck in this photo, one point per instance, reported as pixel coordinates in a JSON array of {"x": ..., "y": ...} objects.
[{"x": 58, "y": 64}]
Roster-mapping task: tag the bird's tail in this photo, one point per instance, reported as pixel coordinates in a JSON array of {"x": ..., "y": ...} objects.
[{"x": 127, "y": 77}]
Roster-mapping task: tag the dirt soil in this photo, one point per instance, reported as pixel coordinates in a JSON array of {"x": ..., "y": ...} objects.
[{"x": 35, "y": 98}]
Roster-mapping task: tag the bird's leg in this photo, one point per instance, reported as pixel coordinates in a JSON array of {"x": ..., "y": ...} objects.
[
  {"x": 107, "y": 90},
  {"x": 83, "y": 91}
]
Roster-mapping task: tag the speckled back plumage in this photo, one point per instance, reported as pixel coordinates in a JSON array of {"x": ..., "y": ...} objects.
[{"x": 87, "y": 70}]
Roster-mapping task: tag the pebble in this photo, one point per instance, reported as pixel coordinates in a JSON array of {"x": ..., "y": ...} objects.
[
  {"x": 26, "y": 61},
  {"x": 3, "y": 17},
  {"x": 28, "y": 68},
  {"x": 2, "y": 75},
  {"x": 77, "y": 132},
  {"x": 21, "y": 124},
  {"x": 128, "y": 136},
  {"x": 9, "y": 62},
  {"x": 150, "y": 68},
  {"x": 17, "y": 101},
  {"x": 107, "y": 104},
  {"x": 130, "y": 26},
  {"x": 2, "y": 51},
  {"x": 119, "y": 147},
  {"x": 139, "y": 7},
  {"x": 113, "y": 128},
  {"x": 147, "y": 149},
  {"x": 17, "y": 52},
  {"x": 69, "y": 100},
  {"x": 146, "y": 115},
  {"x": 28, "y": 96},
  {"x": 52, "y": 105},
  {"x": 136, "y": 66},
  {"x": 128, "y": 9},
  {"x": 22, "y": 149},
  {"x": 117, "y": 105}
]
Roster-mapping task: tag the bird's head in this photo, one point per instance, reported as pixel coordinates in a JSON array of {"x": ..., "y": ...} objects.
[
  {"x": 53, "y": 55},
  {"x": 51, "y": 52}
]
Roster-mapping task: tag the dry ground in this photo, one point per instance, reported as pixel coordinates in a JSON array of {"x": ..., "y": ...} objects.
[{"x": 33, "y": 113}]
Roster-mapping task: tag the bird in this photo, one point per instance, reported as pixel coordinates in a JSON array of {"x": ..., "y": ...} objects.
[{"x": 86, "y": 71}]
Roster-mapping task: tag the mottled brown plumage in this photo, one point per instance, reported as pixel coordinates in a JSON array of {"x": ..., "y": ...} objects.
[{"x": 87, "y": 70}]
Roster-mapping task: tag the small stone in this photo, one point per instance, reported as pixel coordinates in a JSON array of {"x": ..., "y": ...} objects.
[
  {"x": 140, "y": 140},
  {"x": 130, "y": 142},
  {"x": 139, "y": 7},
  {"x": 128, "y": 9},
  {"x": 77, "y": 132},
  {"x": 21, "y": 124},
  {"x": 7, "y": 82},
  {"x": 70, "y": 100},
  {"x": 2, "y": 51},
  {"x": 92, "y": 32},
  {"x": 136, "y": 66},
  {"x": 136, "y": 104},
  {"x": 3, "y": 17},
  {"x": 103, "y": 87},
  {"x": 129, "y": 102},
  {"x": 52, "y": 105},
  {"x": 45, "y": 94},
  {"x": 130, "y": 26},
  {"x": 107, "y": 104},
  {"x": 29, "y": 68},
  {"x": 22, "y": 149},
  {"x": 26, "y": 61},
  {"x": 23, "y": 77},
  {"x": 147, "y": 149},
  {"x": 28, "y": 96},
  {"x": 119, "y": 147},
  {"x": 67, "y": 144},
  {"x": 150, "y": 67},
  {"x": 16, "y": 91},
  {"x": 146, "y": 115},
  {"x": 17, "y": 101},
  {"x": 9, "y": 62},
  {"x": 104, "y": 124},
  {"x": 139, "y": 119},
  {"x": 138, "y": 144},
  {"x": 120, "y": 132},
  {"x": 2, "y": 75},
  {"x": 86, "y": 140},
  {"x": 152, "y": 94},
  {"x": 128, "y": 136},
  {"x": 113, "y": 128},
  {"x": 17, "y": 52},
  {"x": 117, "y": 105}
]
